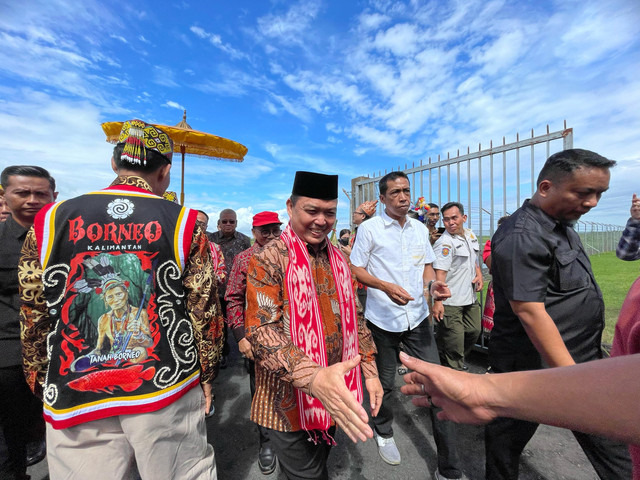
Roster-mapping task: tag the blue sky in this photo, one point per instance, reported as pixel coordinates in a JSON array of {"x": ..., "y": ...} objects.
[{"x": 346, "y": 87}]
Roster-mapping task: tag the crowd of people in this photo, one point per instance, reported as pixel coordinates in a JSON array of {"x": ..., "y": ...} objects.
[{"x": 115, "y": 309}]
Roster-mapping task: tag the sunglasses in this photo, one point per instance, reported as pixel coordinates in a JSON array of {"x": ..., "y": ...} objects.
[
  {"x": 265, "y": 232},
  {"x": 224, "y": 222}
]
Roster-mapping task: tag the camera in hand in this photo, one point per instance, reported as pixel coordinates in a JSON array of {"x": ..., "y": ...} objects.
[{"x": 344, "y": 241}]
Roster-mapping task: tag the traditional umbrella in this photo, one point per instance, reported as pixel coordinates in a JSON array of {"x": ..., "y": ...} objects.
[{"x": 187, "y": 140}]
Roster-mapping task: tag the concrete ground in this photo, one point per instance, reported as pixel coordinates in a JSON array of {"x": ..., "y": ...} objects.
[{"x": 552, "y": 454}]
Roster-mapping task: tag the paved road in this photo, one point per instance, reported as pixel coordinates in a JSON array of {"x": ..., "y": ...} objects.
[{"x": 553, "y": 454}]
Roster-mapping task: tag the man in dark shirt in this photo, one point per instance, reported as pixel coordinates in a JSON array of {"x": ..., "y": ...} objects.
[
  {"x": 549, "y": 308},
  {"x": 27, "y": 190},
  {"x": 231, "y": 243}
]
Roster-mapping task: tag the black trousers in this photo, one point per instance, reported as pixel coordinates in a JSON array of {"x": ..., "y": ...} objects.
[
  {"x": 419, "y": 343},
  {"x": 21, "y": 422},
  {"x": 505, "y": 438},
  {"x": 299, "y": 458}
]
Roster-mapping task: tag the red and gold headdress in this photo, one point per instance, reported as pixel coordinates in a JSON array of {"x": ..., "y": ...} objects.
[{"x": 139, "y": 136}]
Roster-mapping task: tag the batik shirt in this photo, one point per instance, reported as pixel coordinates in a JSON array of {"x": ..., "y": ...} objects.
[
  {"x": 236, "y": 290},
  {"x": 281, "y": 367},
  {"x": 230, "y": 246},
  {"x": 120, "y": 313},
  {"x": 629, "y": 244}
]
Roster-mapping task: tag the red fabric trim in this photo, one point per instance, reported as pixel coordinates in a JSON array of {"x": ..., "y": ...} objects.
[
  {"x": 130, "y": 188},
  {"x": 306, "y": 322},
  {"x": 188, "y": 233},
  {"x": 120, "y": 410},
  {"x": 38, "y": 225}
]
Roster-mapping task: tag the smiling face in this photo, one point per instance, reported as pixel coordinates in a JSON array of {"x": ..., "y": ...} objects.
[
  {"x": 25, "y": 197},
  {"x": 571, "y": 197},
  {"x": 312, "y": 219},
  {"x": 397, "y": 199}
]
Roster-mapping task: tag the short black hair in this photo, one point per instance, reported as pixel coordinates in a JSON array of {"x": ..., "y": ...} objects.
[
  {"x": 155, "y": 160},
  {"x": 26, "y": 171},
  {"x": 390, "y": 177},
  {"x": 204, "y": 213},
  {"x": 449, "y": 205},
  {"x": 345, "y": 230},
  {"x": 560, "y": 165},
  {"x": 433, "y": 205}
]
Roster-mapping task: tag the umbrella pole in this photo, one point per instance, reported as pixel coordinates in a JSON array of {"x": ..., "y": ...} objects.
[{"x": 182, "y": 150}]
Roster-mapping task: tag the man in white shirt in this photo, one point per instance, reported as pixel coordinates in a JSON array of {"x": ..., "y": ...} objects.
[
  {"x": 393, "y": 257},
  {"x": 456, "y": 263}
]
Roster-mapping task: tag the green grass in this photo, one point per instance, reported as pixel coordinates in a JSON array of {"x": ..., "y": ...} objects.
[{"x": 615, "y": 278}]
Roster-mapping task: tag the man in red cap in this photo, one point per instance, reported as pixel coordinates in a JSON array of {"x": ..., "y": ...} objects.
[{"x": 266, "y": 227}]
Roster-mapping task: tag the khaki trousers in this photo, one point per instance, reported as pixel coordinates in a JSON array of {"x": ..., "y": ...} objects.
[
  {"x": 456, "y": 333},
  {"x": 170, "y": 444}
]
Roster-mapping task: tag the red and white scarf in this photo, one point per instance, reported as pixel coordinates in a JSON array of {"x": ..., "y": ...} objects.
[{"x": 306, "y": 322}]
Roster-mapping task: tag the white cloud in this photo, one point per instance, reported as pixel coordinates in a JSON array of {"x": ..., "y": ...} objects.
[
  {"x": 217, "y": 42},
  {"x": 120, "y": 38},
  {"x": 172, "y": 104},
  {"x": 400, "y": 39},
  {"x": 290, "y": 27}
]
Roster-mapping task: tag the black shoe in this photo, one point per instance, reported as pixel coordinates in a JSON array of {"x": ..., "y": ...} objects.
[
  {"x": 36, "y": 451},
  {"x": 267, "y": 459}
]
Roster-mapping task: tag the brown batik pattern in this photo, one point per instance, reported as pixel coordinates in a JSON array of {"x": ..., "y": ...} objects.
[
  {"x": 133, "y": 181},
  {"x": 281, "y": 367},
  {"x": 35, "y": 324},
  {"x": 203, "y": 304}
]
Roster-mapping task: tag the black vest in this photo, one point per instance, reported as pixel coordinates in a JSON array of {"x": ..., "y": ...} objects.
[{"x": 121, "y": 340}]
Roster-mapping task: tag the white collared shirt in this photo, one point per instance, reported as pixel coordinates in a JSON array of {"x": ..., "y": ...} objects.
[
  {"x": 458, "y": 256},
  {"x": 398, "y": 255}
]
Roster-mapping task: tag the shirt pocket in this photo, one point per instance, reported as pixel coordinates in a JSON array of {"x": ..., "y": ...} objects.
[
  {"x": 570, "y": 273},
  {"x": 418, "y": 253}
]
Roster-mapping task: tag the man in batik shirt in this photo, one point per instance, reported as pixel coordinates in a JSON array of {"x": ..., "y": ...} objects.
[{"x": 309, "y": 341}]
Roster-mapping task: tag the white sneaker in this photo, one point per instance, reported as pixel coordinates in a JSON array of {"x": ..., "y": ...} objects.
[{"x": 388, "y": 450}]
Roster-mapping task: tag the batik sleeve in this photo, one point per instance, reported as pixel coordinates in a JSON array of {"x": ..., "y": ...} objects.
[
  {"x": 235, "y": 295},
  {"x": 266, "y": 322},
  {"x": 203, "y": 305},
  {"x": 35, "y": 324}
]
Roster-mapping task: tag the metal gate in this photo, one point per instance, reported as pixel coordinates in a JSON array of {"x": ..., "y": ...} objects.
[{"x": 489, "y": 183}]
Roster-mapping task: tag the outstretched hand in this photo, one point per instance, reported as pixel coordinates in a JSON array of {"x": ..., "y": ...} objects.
[
  {"x": 439, "y": 290},
  {"x": 328, "y": 386},
  {"x": 463, "y": 397}
]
